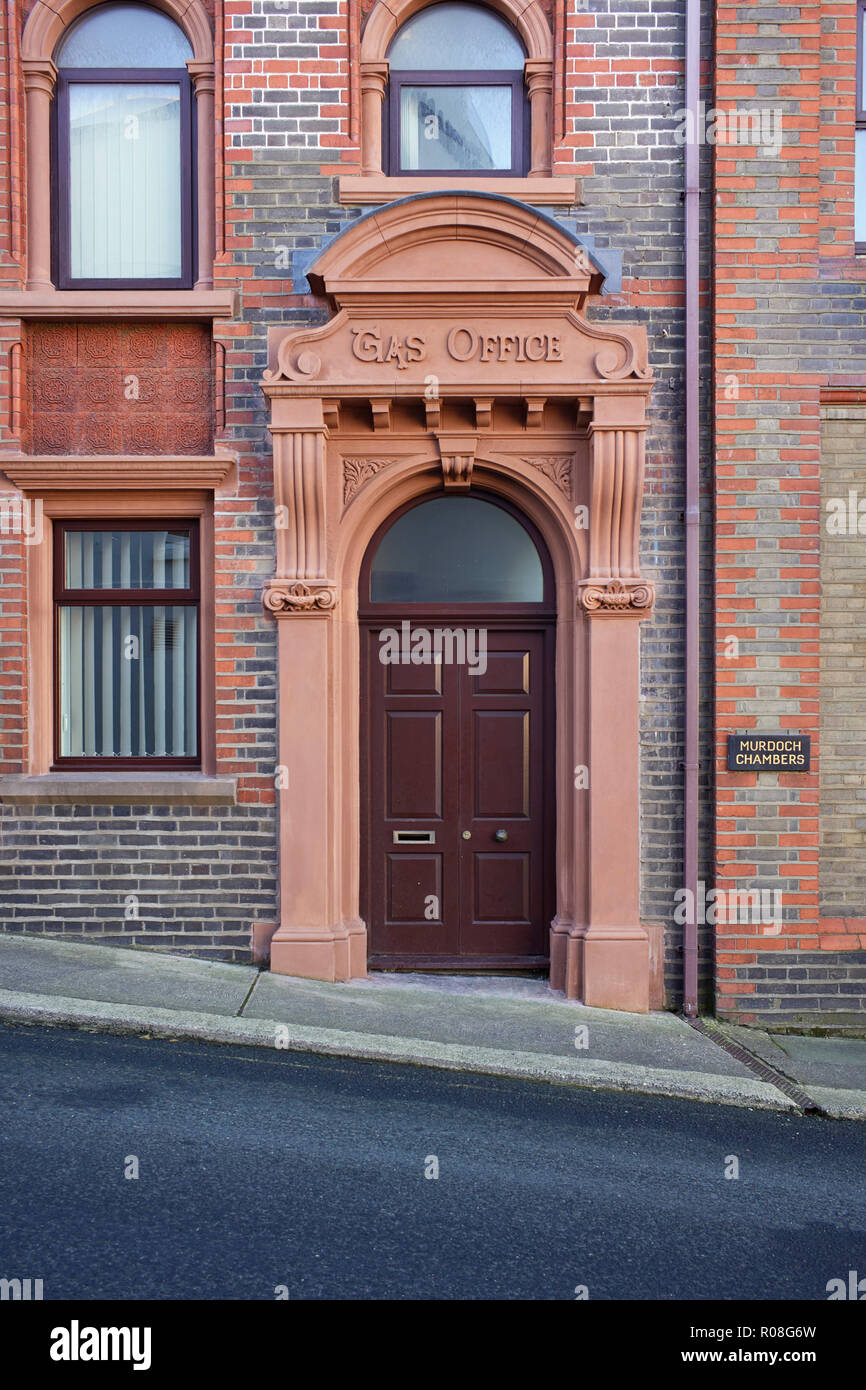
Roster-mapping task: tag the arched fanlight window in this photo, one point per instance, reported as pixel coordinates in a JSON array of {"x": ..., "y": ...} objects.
[
  {"x": 456, "y": 550},
  {"x": 457, "y": 95},
  {"x": 124, "y": 168}
]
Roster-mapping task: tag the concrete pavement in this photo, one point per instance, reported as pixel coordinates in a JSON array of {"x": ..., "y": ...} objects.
[{"x": 493, "y": 1025}]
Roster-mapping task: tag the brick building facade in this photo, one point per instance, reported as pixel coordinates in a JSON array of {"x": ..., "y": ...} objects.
[{"x": 136, "y": 402}]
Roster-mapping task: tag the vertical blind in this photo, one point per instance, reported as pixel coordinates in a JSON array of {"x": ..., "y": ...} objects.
[
  {"x": 128, "y": 671},
  {"x": 125, "y": 181}
]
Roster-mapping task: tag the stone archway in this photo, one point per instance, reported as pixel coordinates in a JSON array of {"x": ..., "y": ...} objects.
[{"x": 458, "y": 353}]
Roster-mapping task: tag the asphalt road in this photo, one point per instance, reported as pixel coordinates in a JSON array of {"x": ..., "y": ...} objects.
[{"x": 260, "y": 1170}]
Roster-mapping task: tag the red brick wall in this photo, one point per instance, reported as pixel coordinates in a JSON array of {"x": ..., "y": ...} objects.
[{"x": 786, "y": 323}]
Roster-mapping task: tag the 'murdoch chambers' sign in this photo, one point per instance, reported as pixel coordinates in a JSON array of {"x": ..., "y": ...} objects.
[{"x": 769, "y": 752}]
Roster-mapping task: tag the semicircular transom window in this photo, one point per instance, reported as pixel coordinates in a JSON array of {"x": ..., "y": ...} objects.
[
  {"x": 125, "y": 180},
  {"x": 456, "y": 550},
  {"x": 457, "y": 94},
  {"x": 122, "y": 36}
]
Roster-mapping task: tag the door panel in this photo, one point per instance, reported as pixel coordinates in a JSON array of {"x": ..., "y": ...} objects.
[
  {"x": 412, "y": 880},
  {"x": 502, "y": 761},
  {"x": 502, "y": 888},
  {"x": 446, "y": 752},
  {"x": 413, "y": 770}
]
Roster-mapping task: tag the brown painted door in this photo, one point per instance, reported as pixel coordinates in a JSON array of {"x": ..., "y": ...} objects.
[{"x": 458, "y": 804}]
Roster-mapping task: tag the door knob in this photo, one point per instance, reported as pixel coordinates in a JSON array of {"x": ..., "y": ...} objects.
[
  {"x": 467, "y": 834},
  {"x": 501, "y": 836}
]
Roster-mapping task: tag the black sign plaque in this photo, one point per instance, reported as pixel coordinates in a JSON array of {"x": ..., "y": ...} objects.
[{"x": 769, "y": 752}]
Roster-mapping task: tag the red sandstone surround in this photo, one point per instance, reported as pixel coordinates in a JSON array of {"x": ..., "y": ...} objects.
[{"x": 412, "y": 385}]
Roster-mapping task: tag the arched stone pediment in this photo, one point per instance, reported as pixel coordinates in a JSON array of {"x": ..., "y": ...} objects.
[{"x": 480, "y": 291}]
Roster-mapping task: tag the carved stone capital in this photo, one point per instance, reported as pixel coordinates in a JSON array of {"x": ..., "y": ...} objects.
[
  {"x": 283, "y": 598},
  {"x": 374, "y": 78},
  {"x": 40, "y": 75},
  {"x": 203, "y": 78},
  {"x": 539, "y": 75},
  {"x": 615, "y": 596}
]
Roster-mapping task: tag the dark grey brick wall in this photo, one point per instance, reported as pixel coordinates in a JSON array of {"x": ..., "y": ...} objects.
[
  {"x": 811, "y": 989},
  {"x": 190, "y": 878}
]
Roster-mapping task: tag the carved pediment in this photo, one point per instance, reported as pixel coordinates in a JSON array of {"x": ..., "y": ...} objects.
[{"x": 461, "y": 293}]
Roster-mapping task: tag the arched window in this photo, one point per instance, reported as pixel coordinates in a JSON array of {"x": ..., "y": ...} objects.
[
  {"x": 456, "y": 550},
  {"x": 124, "y": 155},
  {"x": 457, "y": 94}
]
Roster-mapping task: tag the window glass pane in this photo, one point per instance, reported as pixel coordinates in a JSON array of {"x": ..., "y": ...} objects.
[
  {"x": 127, "y": 560},
  {"x": 124, "y": 36},
  {"x": 860, "y": 185},
  {"x": 124, "y": 181},
  {"x": 455, "y": 127},
  {"x": 456, "y": 550},
  {"x": 128, "y": 681},
  {"x": 456, "y": 37}
]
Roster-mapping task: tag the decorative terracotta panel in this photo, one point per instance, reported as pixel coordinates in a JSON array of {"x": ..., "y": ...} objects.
[{"x": 120, "y": 388}]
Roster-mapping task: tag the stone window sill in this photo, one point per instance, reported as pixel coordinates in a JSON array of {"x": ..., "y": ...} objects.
[
  {"x": 139, "y": 788},
  {"x": 77, "y": 472},
  {"x": 88, "y": 304},
  {"x": 360, "y": 189}
]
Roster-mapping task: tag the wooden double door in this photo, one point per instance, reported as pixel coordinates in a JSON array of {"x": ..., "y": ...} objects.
[{"x": 458, "y": 803}]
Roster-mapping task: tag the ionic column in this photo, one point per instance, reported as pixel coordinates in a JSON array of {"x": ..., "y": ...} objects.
[
  {"x": 539, "y": 82},
  {"x": 40, "y": 75},
  {"x": 374, "y": 82},
  {"x": 203, "y": 85}
]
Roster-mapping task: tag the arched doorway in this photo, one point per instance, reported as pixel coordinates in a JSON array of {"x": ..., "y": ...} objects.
[
  {"x": 457, "y": 357},
  {"x": 457, "y": 758}
]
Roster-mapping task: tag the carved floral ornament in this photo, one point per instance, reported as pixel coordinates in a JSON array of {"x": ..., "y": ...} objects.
[
  {"x": 556, "y": 467},
  {"x": 615, "y": 596},
  {"x": 298, "y": 597},
  {"x": 358, "y": 471},
  {"x": 456, "y": 469}
]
